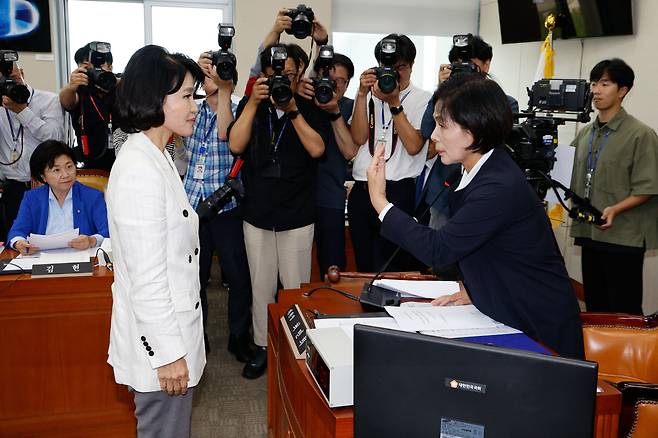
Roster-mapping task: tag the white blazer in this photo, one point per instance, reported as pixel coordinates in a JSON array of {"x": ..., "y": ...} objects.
[{"x": 156, "y": 310}]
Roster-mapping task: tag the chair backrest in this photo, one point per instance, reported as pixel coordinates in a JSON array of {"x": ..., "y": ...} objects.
[
  {"x": 625, "y": 346},
  {"x": 95, "y": 178}
]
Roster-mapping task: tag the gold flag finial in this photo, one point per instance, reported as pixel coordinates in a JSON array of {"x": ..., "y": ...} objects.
[{"x": 549, "y": 22}]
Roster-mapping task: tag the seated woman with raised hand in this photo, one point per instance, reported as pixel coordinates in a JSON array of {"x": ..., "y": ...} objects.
[
  {"x": 498, "y": 234},
  {"x": 61, "y": 204}
]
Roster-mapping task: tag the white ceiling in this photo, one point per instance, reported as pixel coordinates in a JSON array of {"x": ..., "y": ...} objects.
[{"x": 447, "y": 4}]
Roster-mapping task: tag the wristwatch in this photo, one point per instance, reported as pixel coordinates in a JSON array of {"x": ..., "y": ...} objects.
[
  {"x": 292, "y": 115},
  {"x": 395, "y": 110},
  {"x": 335, "y": 116}
]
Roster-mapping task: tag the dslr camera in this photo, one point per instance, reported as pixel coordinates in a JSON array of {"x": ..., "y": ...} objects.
[
  {"x": 100, "y": 79},
  {"x": 324, "y": 85},
  {"x": 464, "y": 46},
  {"x": 8, "y": 86},
  {"x": 223, "y": 59},
  {"x": 279, "y": 83},
  {"x": 387, "y": 76},
  {"x": 302, "y": 21}
]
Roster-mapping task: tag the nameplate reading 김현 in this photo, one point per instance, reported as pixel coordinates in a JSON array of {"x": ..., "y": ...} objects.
[
  {"x": 295, "y": 325},
  {"x": 62, "y": 269}
]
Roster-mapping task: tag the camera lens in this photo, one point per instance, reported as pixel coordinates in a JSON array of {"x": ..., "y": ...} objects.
[
  {"x": 280, "y": 89},
  {"x": 324, "y": 89},
  {"x": 17, "y": 92},
  {"x": 387, "y": 80}
]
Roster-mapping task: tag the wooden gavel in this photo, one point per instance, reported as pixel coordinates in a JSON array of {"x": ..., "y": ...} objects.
[{"x": 334, "y": 275}]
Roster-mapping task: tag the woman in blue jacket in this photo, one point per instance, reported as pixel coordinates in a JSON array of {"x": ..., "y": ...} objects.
[{"x": 61, "y": 204}]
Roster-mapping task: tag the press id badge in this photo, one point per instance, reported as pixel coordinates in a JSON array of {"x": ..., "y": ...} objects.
[{"x": 199, "y": 170}]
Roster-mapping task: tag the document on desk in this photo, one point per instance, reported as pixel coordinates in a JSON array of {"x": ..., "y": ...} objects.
[
  {"x": 347, "y": 324},
  {"x": 429, "y": 318},
  {"x": 423, "y": 289},
  {"x": 53, "y": 241},
  {"x": 64, "y": 255}
]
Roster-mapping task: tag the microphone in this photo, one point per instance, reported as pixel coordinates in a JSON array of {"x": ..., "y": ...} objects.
[
  {"x": 209, "y": 208},
  {"x": 376, "y": 297}
]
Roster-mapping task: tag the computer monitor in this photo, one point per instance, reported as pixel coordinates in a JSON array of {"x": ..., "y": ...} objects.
[{"x": 413, "y": 385}]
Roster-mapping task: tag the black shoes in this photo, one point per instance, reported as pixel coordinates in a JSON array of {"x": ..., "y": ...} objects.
[
  {"x": 257, "y": 366},
  {"x": 241, "y": 347}
]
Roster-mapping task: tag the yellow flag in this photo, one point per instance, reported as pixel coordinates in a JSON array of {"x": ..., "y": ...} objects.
[{"x": 545, "y": 66}]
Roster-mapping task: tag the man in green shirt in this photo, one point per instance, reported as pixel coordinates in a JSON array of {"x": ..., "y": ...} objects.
[{"x": 616, "y": 167}]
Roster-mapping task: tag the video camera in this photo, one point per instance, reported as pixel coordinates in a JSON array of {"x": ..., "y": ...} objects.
[
  {"x": 324, "y": 85},
  {"x": 532, "y": 143},
  {"x": 223, "y": 59},
  {"x": 232, "y": 187},
  {"x": 464, "y": 52},
  {"x": 278, "y": 83},
  {"x": 302, "y": 21},
  {"x": 8, "y": 86},
  {"x": 100, "y": 79},
  {"x": 387, "y": 76}
]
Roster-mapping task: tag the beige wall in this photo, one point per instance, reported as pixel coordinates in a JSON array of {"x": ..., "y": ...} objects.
[
  {"x": 39, "y": 68},
  {"x": 253, "y": 19},
  {"x": 514, "y": 67}
]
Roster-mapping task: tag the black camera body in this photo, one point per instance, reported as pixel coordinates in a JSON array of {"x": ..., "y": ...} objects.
[
  {"x": 223, "y": 58},
  {"x": 561, "y": 95},
  {"x": 464, "y": 45},
  {"x": 323, "y": 84},
  {"x": 302, "y": 21},
  {"x": 387, "y": 76},
  {"x": 278, "y": 83},
  {"x": 100, "y": 79},
  {"x": 8, "y": 86}
]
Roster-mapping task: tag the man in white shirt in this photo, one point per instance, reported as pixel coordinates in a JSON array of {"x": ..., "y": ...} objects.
[
  {"x": 23, "y": 126},
  {"x": 393, "y": 119}
]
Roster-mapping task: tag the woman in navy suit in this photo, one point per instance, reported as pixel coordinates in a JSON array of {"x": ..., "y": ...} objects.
[
  {"x": 61, "y": 204},
  {"x": 498, "y": 234}
]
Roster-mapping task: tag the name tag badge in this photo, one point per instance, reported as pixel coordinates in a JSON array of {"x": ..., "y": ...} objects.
[
  {"x": 199, "y": 170},
  {"x": 14, "y": 158},
  {"x": 381, "y": 141}
]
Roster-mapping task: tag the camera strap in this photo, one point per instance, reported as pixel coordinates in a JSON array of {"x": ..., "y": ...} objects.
[
  {"x": 273, "y": 144},
  {"x": 83, "y": 133},
  {"x": 371, "y": 125}
]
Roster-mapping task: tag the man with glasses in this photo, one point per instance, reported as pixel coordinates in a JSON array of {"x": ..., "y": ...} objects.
[{"x": 392, "y": 119}]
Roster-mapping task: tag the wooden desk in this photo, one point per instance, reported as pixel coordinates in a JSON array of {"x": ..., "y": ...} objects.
[
  {"x": 297, "y": 408},
  {"x": 54, "y": 334}
]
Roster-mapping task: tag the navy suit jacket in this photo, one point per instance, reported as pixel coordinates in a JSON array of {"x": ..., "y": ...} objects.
[
  {"x": 89, "y": 212},
  {"x": 501, "y": 238}
]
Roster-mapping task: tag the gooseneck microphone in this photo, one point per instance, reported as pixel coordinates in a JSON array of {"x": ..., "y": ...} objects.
[{"x": 375, "y": 297}]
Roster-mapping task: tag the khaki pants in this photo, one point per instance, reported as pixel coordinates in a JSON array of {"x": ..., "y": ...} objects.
[{"x": 286, "y": 254}]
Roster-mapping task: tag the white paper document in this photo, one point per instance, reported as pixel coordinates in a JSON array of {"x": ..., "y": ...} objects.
[
  {"x": 53, "y": 241},
  {"x": 429, "y": 318},
  {"x": 423, "y": 289},
  {"x": 347, "y": 324},
  {"x": 65, "y": 255}
]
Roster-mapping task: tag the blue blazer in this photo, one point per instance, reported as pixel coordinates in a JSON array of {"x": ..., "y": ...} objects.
[
  {"x": 501, "y": 237},
  {"x": 89, "y": 212}
]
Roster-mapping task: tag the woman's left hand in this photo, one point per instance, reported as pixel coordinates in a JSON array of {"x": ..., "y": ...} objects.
[
  {"x": 460, "y": 298},
  {"x": 83, "y": 242},
  {"x": 377, "y": 179}
]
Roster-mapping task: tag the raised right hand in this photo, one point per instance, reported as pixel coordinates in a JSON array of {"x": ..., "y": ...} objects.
[
  {"x": 79, "y": 76},
  {"x": 366, "y": 81},
  {"x": 173, "y": 377},
  {"x": 259, "y": 92},
  {"x": 444, "y": 72},
  {"x": 282, "y": 21}
]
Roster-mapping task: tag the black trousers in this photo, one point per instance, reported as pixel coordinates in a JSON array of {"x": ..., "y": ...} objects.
[
  {"x": 12, "y": 195},
  {"x": 224, "y": 235},
  {"x": 330, "y": 238},
  {"x": 371, "y": 250},
  {"x": 612, "y": 280}
]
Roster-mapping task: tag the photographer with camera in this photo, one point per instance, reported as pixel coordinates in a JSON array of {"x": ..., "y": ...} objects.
[
  {"x": 209, "y": 165},
  {"x": 30, "y": 117},
  {"x": 333, "y": 72},
  {"x": 388, "y": 110},
  {"x": 280, "y": 136},
  {"x": 615, "y": 167},
  {"x": 89, "y": 99}
]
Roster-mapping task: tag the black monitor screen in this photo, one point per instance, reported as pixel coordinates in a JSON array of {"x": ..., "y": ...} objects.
[
  {"x": 523, "y": 20},
  {"x": 407, "y": 384}
]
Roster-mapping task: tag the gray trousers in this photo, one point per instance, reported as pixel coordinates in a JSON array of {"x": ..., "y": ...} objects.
[{"x": 163, "y": 416}]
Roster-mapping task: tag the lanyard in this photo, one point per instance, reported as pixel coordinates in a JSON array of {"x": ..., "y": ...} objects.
[
  {"x": 389, "y": 122},
  {"x": 371, "y": 123},
  {"x": 19, "y": 134},
  {"x": 283, "y": 128},
  {"x": 591, "y": 164},
  {"x": 203, "y": 150},
  {"x": 100, "y": 114}
]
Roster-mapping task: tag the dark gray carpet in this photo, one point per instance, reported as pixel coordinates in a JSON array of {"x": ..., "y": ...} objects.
[{"x": 225, "y": 403}]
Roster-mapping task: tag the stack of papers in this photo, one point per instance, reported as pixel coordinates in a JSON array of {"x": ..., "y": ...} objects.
[
  {"x": 53, "y": 241},
  {"x": 423, "y": 289},
  {"x": 67, "y": 255}
]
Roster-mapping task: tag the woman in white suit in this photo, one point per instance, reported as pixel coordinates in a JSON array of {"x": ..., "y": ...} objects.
[{"x": 156, "y": 337}]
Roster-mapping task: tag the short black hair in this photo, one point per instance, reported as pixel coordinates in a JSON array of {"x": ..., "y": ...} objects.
[
  {"x": 481, "y": 51},
  {"x": 82, "y": 55},
  {"x": 296, "y": 53},
  {"x": 479, "y": 105},
  {"x": 44, "y": 157},
  {"x": 405, "y": 47},
  {"x": 344, "y": 61},
  {"x": 618, "y": 71},
  {"x": 150, "y": 75}
]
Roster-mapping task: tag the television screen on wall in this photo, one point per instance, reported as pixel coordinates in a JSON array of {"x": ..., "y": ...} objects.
[
  {"x": 25, "y": 25},
  {"x": 523, "y": 20}
]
